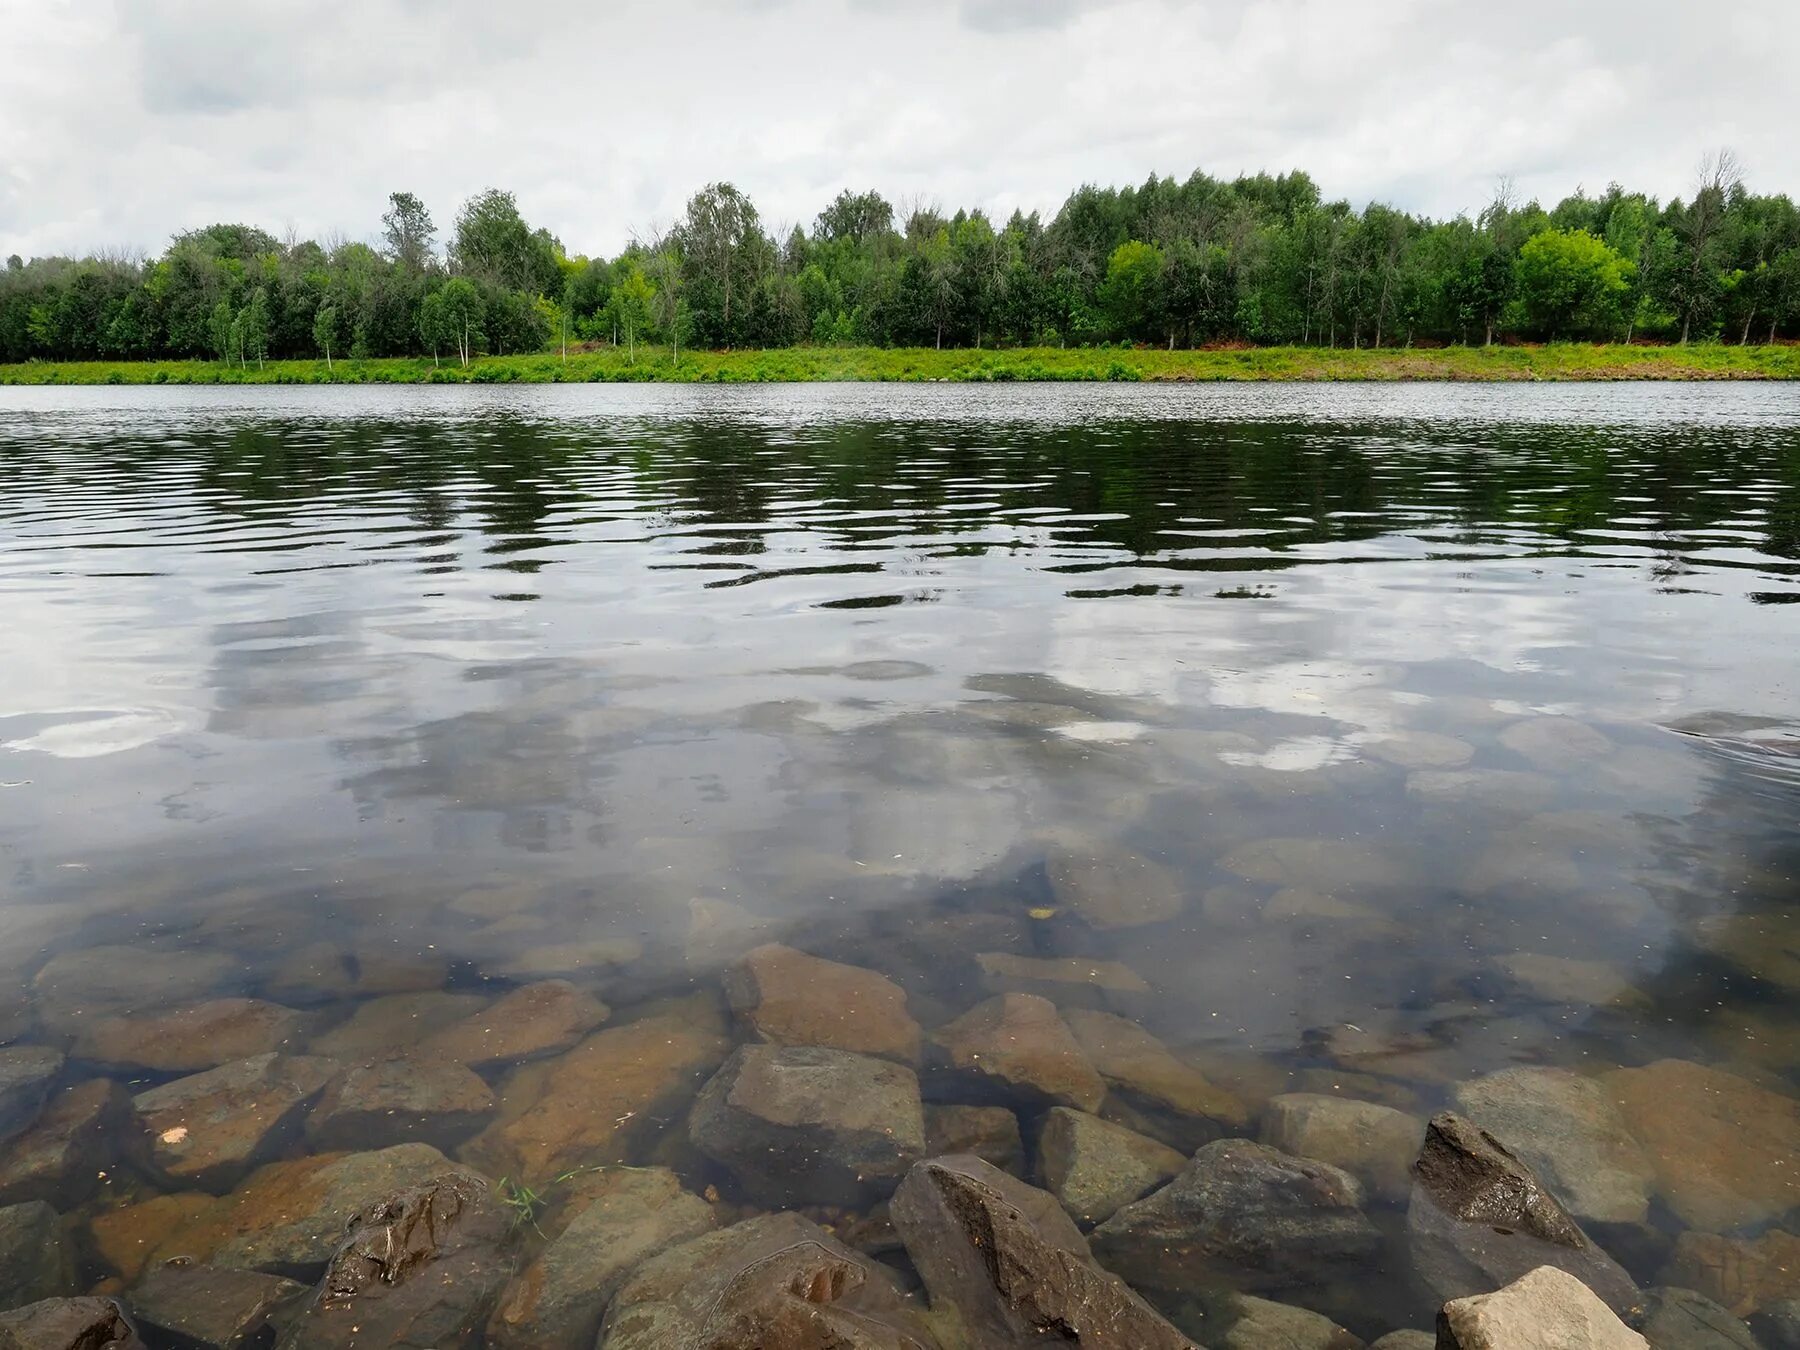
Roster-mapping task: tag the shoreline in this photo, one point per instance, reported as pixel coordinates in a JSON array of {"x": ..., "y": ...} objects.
[{"x": 1552, "y": 362}]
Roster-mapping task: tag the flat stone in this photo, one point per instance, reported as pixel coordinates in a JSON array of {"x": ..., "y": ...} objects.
[
  {"x": 1325, "y": 866},
  {"x": 1406, "y": 1340},
  {"x": 1767, "y": 945},
  {"x": 187, "y": 1040},
  {"x": 720, "y": 931},
  {"x": 1725, "y": 1152},
  {"x": 323, "y": 971},
  {"x": 1556, "y": 742},
  {"x": 1140, "y": 1068},
  {"x": 804, "y": 1124},
  {"x": 991, "y": 1133},
  {"x": 90, "y": 982},
  {"x": 1680, "y": 1319},
  {"x": 530, "y": 1022},
  {"x": 131, "y": 1238},
  {"x": 1742, "y": 1274},
  {"x": 1019, "y": 1045},
  {"x": 592, "y": 1104},
  {"x": 1375, "y": 1144},
  {"x": 211, "y": 1307},
  {"x": 62, "y": 1158},
  {"x": 1567, "y": 979},
  {"x": 68, "y": 1324},
  {"x": 628, "y": 1214},
  {"x": 1113, "y": 888},
  {"x": 1093, "y": 1166},
  {"x": 1011, "y": 1266},
  {"x": 1566, "y": 1129},
  {"x": 1244, "y": 1213},
  {"x": 393, "y": 1024},
  {"x": 1546, "y": 1309},
  {"x": 567, "y": 958},
  {"x": 1258, "y": 1324},
  {"x": 392, "y": 1101},
  {"x": 26, "y": 1073},
  {"x": 1480, "y": 1218},
  {"x": 1420, "y": 750},
  {"x": 778, "y": 1282},
  {"x": 209, "y": 1129},
  {"x": 1005, "y": 972},
  {"x": 36, "y": 1260},
  {"x": 790, "y": 998},
  {"x": 1506, "y": 792}
]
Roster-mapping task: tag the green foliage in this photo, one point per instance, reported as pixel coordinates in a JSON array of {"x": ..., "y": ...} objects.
[{"x": 1571, "y": 284}]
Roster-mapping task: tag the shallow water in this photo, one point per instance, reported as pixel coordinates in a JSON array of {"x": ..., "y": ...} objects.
[{"x": 1453, "y": 717}]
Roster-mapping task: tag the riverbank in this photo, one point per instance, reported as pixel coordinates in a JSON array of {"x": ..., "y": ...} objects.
[{"x": 1553, "y": 361}]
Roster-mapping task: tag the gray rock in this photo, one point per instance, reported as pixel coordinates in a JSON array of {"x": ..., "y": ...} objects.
[
  {"x": 1017, "y": 1046},
  {"x": 393, "y": 1101},
  {"x": 210, "y": 1129},
  {"x": 809, "y": 1125},
  {"x": 62, "y": 1158},
  {"x": 1479, "y": 1218},
  {"x": 1406, "y": 1340},
  {"x": 630, "y": 1214},
  {"x": 1093, "y": 1166},
  {"x": 1249, "y": 1323},
  {"x": 77, "y": 986},
  {"x": 991, "y": 1133},
  {"x": 68, "y": 1324},
  {"x": 1777, "y": 1324},
  {"x": 211, "y": 1307},
  {"x": 421, "y": 1270},
  {"x": 26, "y": 1073},
  {"x": 36, "y": 1260},
  {"x": 1545, "y": 1309},
  {"x": 778, "y": 1282},
  {"x": 1680, "y": 1319},
  {"x": 1112, "y": 888},
  {"x": 1144, "y": 1074},
  {"x": 1375, "y": 1144},
  {"x": 1243, "y": 1212},
  {"x": 1007, "y": 1263}
]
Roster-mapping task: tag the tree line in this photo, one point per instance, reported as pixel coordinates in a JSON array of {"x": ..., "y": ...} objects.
[{"x": 1259, "y": 259}]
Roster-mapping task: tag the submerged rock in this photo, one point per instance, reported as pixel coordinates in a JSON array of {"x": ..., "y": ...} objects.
[
  {"x": 132, "y": 1237},
  {"x": 1244, "y": 1213},
  {"x": 1555, "y": 742},
  {"x": 1742, "y": 1274},
  {"x": 991, "y": 1133},
  {"x": 63, "y": 1157},
  {"x": 1406, "y": 1340},
  {"x": 1777, "y": 1326},
  {"x": 36, "y": 1260},
  {"x": 187, "y": 1040},
  {"x": 532, "y": 1021},
  {"x": 392, "y": 1101},
  {"x": 1018, "y": 1044},
  {"x": 1545, "y": 1309},
  {"x": 1375, "y": 1144},
  {"x": 68, "y": 1324},
  {"x": 810, "y": 1125},
  {"x": 1421, "y": 750},
  {"x": 1245, "y": 1322},
  {"x": 778, "y": 1282},
  {"x": 421, "y": 1270},
  {"x": 1007, "y": 972},
  {"x": 211, "y": 1128},
  {"x": 1011, "y": 1267},
  {"x": 78, "y": 986},
  {"x": 210, "y": 1307},
  {"x": 791, "y": 998},
  {"x": 1113, "y": 888},
  {"x": 26, "y": 1073},
  {"x": 394, "y": 1024},
  {"x": 628, "y": 1215},
  {"x": 323, "y": 971},
  {"x": 1093, "y": 1166},
  {"x": 1567, "y": 1129},
  {"x": 1479, "y": 1218},
  {"x": 1324, "y": 866},
  {"x": 1725, "y": 1152},
  {"x": 1149, "y": 1076},
  {"x": 1680, "y": 1319}
]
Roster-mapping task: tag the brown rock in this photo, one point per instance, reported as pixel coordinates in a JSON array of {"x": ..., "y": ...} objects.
[
  {"x": 1741, "y": 1274},
  {"x": 392, "y": 1101},
  {"x": 82, "y": 1132},
  {"x": 323, "y": 971},
  {"x": 68, "y": 1324},
  {"x": 1093, "y": 1166},
  {"x": 132, "y": 1237},
  {"x": 77, "y": 986},
  {"x": 1145, "y": 1072},
  {"x": 1375, "y": 1144},
  {"x": 1251, "y": 1323},
  {"x": 209, "y": 1307},
  {"x": 1005, "y": 972},
  {"x": 791, "y": 998},
  {"x": 1017, "y": 1043},
  {"x": 394, "y": 1024},
  {"x": 1011, "y": 1267},
  {"x": 187, "y": 1040},
  {"x": 591, "y": 1104},
  {"x": 1115, "y": 888},
  {"x": 209, "y": 1129},
  {"x": 1546, "y": 1309},
  {"x": 532, "y": 1021},
  {"x": 1725, "y": 1152},
  {"x": 991, "y": 1133}
]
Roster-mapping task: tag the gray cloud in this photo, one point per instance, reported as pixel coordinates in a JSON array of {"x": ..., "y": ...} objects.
[{"x": 122, "y": 123}]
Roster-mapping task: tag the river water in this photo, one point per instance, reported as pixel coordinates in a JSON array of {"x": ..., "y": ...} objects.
[{"x": 1386, "y": 738}]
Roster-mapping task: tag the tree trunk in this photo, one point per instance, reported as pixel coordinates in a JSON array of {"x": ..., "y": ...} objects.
[
  {"x": 1686, "y": 319},
  {"x": 1744, "y": 341}
]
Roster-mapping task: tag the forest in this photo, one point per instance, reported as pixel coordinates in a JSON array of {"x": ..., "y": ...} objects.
[{"x": 1259, "y": 260}]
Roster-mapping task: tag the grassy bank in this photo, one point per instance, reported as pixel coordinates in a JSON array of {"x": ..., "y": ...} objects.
[{"x": 1555, "y": 361}]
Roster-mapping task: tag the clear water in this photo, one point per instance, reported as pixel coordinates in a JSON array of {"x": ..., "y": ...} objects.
[{"x": 450, "y": 676}]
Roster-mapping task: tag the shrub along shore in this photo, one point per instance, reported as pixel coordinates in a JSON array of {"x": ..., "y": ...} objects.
[{"x": 1550, "y": 361}]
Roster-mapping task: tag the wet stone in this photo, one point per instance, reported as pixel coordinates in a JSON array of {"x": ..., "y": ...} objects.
[
  {"x": 1777, "y": 1325},
  {"x": 210, "y": 1129},
  {"x": 36, "y": 1260},
  {"x": 532, "y": 1021},
  {"x": 1725, "y": 1153},
  {"x": 1005, "y": 1260},
  {"x": 1680, "y": 1319},
  {"x": 324, "y": 971},
  {"x": 78, "y": 986},
  {"x": 626, "y": 1215},
  {"x": 790, "y": 998},
  {"x": 392, "y": 1101},
  {"x": 1060, "y": 976},
  {"x": 1421, "y": 750},
  {"x": 779, "y": 1282},
  {"x": 1093, "y": 1166},
  {"x": 585, "y": 958},
  {"x": 187, "y": 1040},
  {"x": 26, "y": 1073},
  {"x": 394, "y": 1024},
  {"x": 132, "y": 1237},
  {"x": 1017, "y": 1044},
  {"x": 1249, "y": 1323},
  {"x": 81, "y": 1132},
  {"x": 1406, "y": 1340},
  {"x": 1375, "y": 1144},
  {"x": 1324, "y": 866},
  {"x": 1567, "y": 1130},
  {"x": 1556, "y": 742},
  {"x": 210, "y": 1307},
  {"x": 1112, "y": 888},
  {"x": 1242, "y": 1212},
  {"x": 1509, "y": 792},
  {"x": 1744, "y": 1275},
  {"x": 991, "y": 1133},
  {"x": 1568, "y": 980},
  {"x": 1479, "y": 1218},
  {"x": 1544, "y": 1309},
  {"x": 68, "y": 1324},
  {"x": 1144, "y": 1071},
  {"x": 810, "y": 1125}
]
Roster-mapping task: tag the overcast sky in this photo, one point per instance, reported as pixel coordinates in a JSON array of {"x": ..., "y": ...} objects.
[{"x": 122, "y": 121}]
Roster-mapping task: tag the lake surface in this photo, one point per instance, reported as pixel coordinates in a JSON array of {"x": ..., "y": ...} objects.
[{"x": 1386, "y": 737}]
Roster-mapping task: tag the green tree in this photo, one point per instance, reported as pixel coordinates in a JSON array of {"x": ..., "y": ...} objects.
[
  {"x": 435, "y": 329},
  {"x": 1132, "y": 291},
  {"x": 630, "y": 302},
  {"x": 324, "y": 331},
  {"x": 1571, "y": 284},
  {"x": 408, "y": 229},
  {"x": 462, "y": 311},
  {"x": 219, "y": 330},
  {"x": 253, "y": 323}
]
